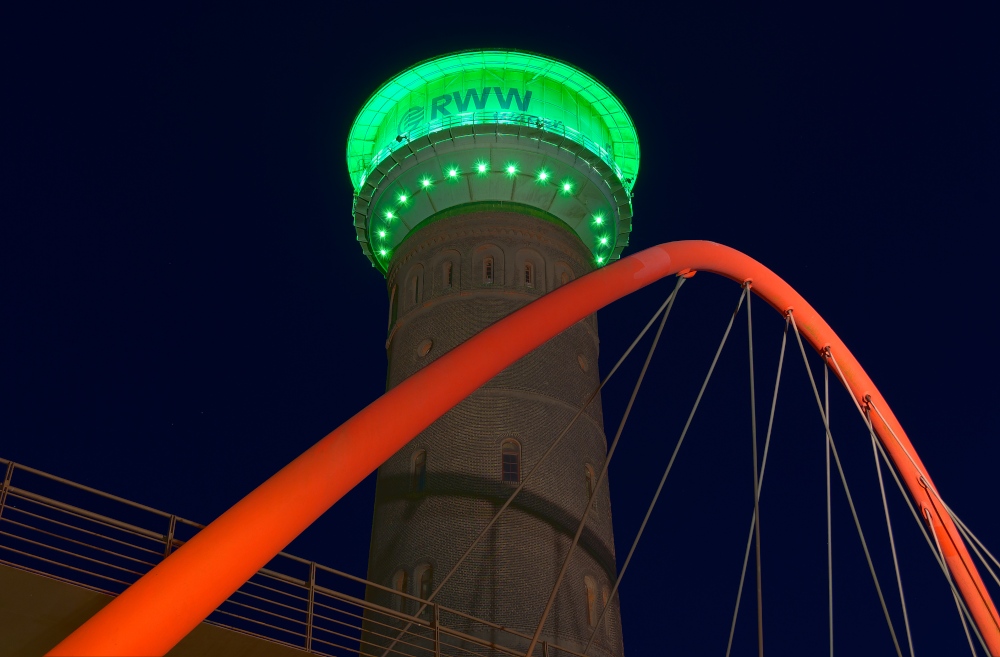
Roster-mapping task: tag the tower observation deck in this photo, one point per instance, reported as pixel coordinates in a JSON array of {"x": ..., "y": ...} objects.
[{"x": 484, "y": 179}]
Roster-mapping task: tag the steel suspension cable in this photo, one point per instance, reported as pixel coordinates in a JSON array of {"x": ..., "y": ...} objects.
[
  {"x": 935, "y": 495},
  {"x": 951, "y": 513},
  {"x": 973, "y": 540},
  {"x": 958, "y": 602},
  {"x": 965, "y": 625},
  {"x": 902, "y": 489},
  {"x": 892, "y": 547},
  {"x": 958, "y": 521},
  {"x": 847, "y": 491},
  {"x": 753, "y": 518},
  {"x": 924, "y": 480},
  {"x": 593, "y": 494},
  {"x": 665, "y": 307},
  {"x": 957, "y": 599},
  {"x": 935, "y": 544},
  {"x": 756, "y": 481},
  {"x": 885, "y": 506},
  {"x": 932, "y": 544},
  {"x": 909, "y": 457},
  {"x": 829, "y": 508},
  {"x": 663, "y": 479}
]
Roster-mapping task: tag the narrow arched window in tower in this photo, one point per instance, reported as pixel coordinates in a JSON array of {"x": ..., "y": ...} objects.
[
  {"x": 488, "y": 270},
  {"x": 510, "y": 462},
  {"x": 605, "y": 596},
  {"x": 392, "y": 308},
  {"x": 400, "y": 582},
  {"x": 589, "y": 474},
  {"x": 415, "y": 290},
  {"x": 591, "y": 585},
  {"x": 447, "y": 274},
  {"x": 529, "y": 275},
  {"x": 418, "y": 471},
  {"x": 425, "y": 580}
]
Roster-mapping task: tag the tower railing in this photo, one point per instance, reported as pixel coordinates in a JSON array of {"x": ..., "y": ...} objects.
[{"x": 62, "y": 530}]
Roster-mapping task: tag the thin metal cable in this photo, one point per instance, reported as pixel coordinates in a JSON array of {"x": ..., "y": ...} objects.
[
  {"x": 923, "y": 475},
  {"x": 892, "y": 545},
  {"x": 909, "y": 502},
  {"x": 927, "y": 486},
  {"x": 878, "y": 444},
  {"x": 756, "y": 482},
  {"x": 885, "y": 504},
  {"x": 876, "y": 448},
  {"x": 593, "y": 495},
  {"x": 666, "y": 307},
  {"x": 958, "y": 521},
  {"x": 972, "y": 541},
  {"x": 753, "y": 518},
  {"x": 847, "y": 490},
  {"x": 923, "y": 530},
  {"x": 663, "y": 479},
  {"x": 984, "y": 563},
  {"x": 906, "y": 496},
  {"x": 965, "y": 626},
  {"x": 958, "y": 601},
  {"x": 829, "y": 507}
]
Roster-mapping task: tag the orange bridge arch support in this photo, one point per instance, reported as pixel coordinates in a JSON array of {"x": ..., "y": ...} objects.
[{"x": 156, "y": 612}]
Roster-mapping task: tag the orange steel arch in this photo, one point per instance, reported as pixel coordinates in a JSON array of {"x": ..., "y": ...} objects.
[{"x": 157, "y": 611}]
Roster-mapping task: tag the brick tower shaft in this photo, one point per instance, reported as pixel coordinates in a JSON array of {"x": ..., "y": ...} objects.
[{"x": 450, "y": 280}]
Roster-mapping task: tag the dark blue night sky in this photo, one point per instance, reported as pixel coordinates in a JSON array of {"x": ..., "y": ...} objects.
[{"x": 185, "y": 308}]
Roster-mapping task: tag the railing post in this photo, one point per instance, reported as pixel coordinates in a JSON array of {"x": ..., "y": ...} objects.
[
  {"x": 309, "y": 608},
  {"x": 6, "y": 484},
  {"x": 437, "y": 630},
  {"x": 170, "y": 536},
  {"x": 545, "y": 649}
]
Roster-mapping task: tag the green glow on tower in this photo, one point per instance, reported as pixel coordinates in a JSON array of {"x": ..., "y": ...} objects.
[
  {"x": 434, "y": 95},
  {"x": 428, "y": 141}
]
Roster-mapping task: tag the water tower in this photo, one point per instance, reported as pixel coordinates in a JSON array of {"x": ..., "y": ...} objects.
[{"x": 484, "y": 179}]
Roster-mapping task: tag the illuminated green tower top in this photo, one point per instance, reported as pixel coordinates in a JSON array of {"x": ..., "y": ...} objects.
[{"x": 501, "y": 127}]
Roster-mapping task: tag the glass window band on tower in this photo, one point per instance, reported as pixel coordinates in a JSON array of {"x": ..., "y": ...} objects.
[{"x": 476, "y": 104}]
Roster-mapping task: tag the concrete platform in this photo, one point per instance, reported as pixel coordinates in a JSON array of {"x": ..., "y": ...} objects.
[{"x": 37, "y": 612}]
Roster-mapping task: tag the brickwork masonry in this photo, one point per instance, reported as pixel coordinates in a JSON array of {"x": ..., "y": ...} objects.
[{"x": 446, "y": 282}]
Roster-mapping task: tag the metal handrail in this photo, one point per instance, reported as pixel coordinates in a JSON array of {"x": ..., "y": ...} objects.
[
  {"x": 75, "y": 510},
  {"x": 64, "y": 542}
]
